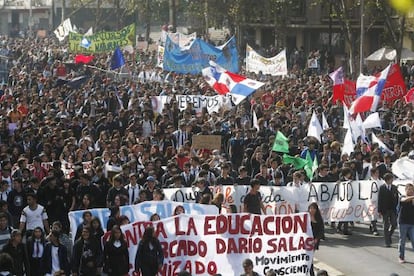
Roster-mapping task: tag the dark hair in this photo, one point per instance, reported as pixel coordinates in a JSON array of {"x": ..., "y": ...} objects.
[
  {"x": 318, "y": 215},
  {"x": 176, "y": 209},
  {"x": 148, "y": 235},
  {"x": 114, "y": 211},
  {"x": 6, "y": 262},
  {"x": 388, "y": 176},
  {"x": 254, "y": 182},
  {"x": 3, "y": 215},
  {"x": 160, "y": 192},
  {"x": 86, "y": 213},
  {"x": 152, "y": 217},
  {"x": 112, "y": 237}
]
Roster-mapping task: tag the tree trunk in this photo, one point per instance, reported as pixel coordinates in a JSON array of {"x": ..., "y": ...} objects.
[
  {"x": 173, "y": 16},
  {"x": 148, "y": 21}
]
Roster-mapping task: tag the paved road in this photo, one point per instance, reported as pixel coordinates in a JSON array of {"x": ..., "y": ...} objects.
[{"x": 362, "y": 254}]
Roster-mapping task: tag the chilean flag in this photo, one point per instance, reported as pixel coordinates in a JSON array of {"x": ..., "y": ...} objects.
[
  {"x": 224, "y": 82},
  {"x": 338, "y": 85},
  {"x": 369, "y": 90}
]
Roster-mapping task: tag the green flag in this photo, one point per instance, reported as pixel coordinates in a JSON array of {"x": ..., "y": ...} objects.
[
  {"x": 281, "y": 143},
  {"x": 310, "y": 166},
  {"x": 297, "y": 162}
]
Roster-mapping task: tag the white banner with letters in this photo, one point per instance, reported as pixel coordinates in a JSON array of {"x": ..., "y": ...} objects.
[
  {"x": 338, "y": 201},
  {"x": 211, "y": 244},
  {"x": 212, "y": 103},
  {"x": 275, "y": 66}
]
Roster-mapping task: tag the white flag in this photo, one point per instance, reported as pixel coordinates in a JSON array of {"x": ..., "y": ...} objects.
[
  {"x": 315, "y": 128},
  {"x": 89, "y": 32},
  {"x": 348, "y": 146},
  {"x": 325, "y": 125},
  {"x": 356, "y": 128},
  {"x": 346, "y": 117},
  {"x": 255, "y": 124},
  {"x": 381, "y": 144},
  {"x": 63, "y": 30},
  {"x": 372, "y": 121}
]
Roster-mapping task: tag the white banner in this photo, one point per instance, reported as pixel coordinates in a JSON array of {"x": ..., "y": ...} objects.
[
  {"x": 212, "y": 103},
  {"x": 208, "y": 245},
  {"x": 142, "y": 212},
  {"x": 275, "y": 66},
  {"x": 338, "y": 201}
]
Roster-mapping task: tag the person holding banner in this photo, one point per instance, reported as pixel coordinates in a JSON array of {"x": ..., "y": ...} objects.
[
  {"x": 406, "y": 220},
  {"x": 150, "y": 257}
]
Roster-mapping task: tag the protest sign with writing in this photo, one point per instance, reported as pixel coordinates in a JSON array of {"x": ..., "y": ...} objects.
[
  {"x": 142, "y": 212},
  {"x": 211, "y": 244},
  {"x": 275, "y": 66},
  {"x": 102, "y": 41},
  {"x": 338, "y": 201},
  {"x": 212, "y": 103}
]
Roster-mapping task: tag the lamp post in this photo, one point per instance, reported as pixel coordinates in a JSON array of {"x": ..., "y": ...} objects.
[
  {"x": 361, "y": 42},
  {"x": 330, "y": 28}
]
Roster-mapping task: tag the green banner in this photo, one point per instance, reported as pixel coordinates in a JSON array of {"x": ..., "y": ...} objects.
[{"x": 103, "y": 41}]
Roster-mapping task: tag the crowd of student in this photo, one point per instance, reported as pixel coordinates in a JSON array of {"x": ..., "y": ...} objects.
[{"x": 108, "y": 120}]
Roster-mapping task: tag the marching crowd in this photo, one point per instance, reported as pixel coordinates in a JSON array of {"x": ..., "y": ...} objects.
[{"x": 108, "y": 119}]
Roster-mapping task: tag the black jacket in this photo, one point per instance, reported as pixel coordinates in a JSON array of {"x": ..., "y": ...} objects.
[
  {"x": 387, "y": 200},
  {"x": 20, "y": 259},
  {"x": 116, "y": 259},
  {"x": 85, "y": 253},
  {"x": 47, "y": 259}
]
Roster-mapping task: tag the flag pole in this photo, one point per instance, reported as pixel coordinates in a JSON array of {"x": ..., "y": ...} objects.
[{"x": 361, "y": 42}]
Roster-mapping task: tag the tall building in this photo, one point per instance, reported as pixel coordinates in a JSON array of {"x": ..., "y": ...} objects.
[{"x": 21, "y": 15}]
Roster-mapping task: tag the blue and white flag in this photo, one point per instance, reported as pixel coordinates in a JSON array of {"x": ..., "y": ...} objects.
[{"x": 194, "y": 58}]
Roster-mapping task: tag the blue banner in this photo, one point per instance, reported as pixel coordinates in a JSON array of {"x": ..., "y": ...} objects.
[{"x": 196, "y": 57}]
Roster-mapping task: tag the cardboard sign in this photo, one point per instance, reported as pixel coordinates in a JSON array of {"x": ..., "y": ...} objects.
[{"x": 207, "y": 142}]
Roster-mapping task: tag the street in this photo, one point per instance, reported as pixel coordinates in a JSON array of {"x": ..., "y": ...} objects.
[{"x": 362, "y": 254}]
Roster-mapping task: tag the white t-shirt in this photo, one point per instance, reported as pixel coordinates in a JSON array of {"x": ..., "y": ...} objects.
[
  {"x": 55, "y": 259},
  {"x": 33, "y": 218}
]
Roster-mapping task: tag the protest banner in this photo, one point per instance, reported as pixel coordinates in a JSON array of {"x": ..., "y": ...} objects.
[
  {"x": 206, "y": 142},
  {"x": 102, "y": 41},
  {"x": 160, "y": 56},
  {"x": 275, "y": 66},
  {"x": 212, "y": 103},
  {"x": 211, "y": 244},
  {"x": 338, "y": 201},
  {"x": 197, "y": 57},
  {"x": 142, "y": 212}
]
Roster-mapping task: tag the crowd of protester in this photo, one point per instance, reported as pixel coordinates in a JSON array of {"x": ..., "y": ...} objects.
[{"x": 108, "y": 119}]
